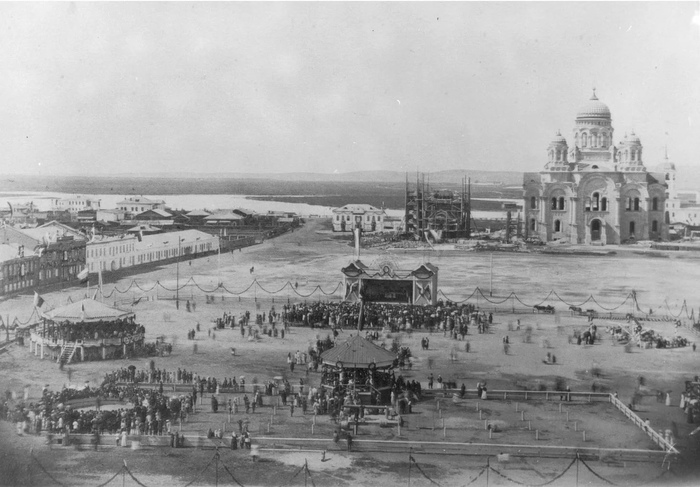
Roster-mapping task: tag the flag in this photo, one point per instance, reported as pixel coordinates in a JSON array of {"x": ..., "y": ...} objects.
[
  {"x": 38, "y": 300},
  {"x": 83, "y": 275},
  {"x": 136, "y": 301}
]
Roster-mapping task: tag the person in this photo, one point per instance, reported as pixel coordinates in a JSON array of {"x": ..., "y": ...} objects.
[
  {"x": 291, "y": 409},
  {"x": 234, "y": 441},
  {"x": 349, "y": 438},
  {"x": 463, "y": 390}
]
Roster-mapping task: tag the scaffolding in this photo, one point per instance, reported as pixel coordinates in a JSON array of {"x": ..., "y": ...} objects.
[{"x": 438, "y": 214}]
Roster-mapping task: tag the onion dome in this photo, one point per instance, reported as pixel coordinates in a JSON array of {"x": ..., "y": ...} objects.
[{"x": 594, "y": 109}]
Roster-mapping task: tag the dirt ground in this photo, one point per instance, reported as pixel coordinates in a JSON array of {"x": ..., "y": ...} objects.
[{"x": 312, "y": 256}]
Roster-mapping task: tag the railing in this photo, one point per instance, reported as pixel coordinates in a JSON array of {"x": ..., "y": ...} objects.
[
  {"x": 655, "y": 437},
  {"x": 506, "y": 394}
]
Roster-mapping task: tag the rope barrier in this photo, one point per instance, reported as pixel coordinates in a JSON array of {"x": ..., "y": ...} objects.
[
  {"x": 132, "y": 476},
  {"x": 113, "y": 477},
  {"x": 201, "y": 472},
  {"x": 46, "y": 471},
  {"x": 421, "y": 470},
  {"x": 475, "y": 478},
  {"x": 571, "y": 304},
  {"x": 535, "y": 485},
  {"x": 595, "y": 473},
  {"x": 306, "y": 466},
  {"x": 229, "y": 472},
  {"x": 293, "y": 476}
]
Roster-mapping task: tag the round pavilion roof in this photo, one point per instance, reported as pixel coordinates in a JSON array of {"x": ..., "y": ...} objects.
[
  {"x": 357, "y": 353},
  {"x": 86, "y": 310}
]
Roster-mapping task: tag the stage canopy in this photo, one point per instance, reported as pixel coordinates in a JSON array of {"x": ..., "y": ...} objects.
[
  {"x": 357, "y": 353},
  {"x": 85, "y": 311}
]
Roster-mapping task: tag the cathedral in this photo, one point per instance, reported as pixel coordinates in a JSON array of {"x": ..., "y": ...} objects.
[{"x": 595, "y": 191}]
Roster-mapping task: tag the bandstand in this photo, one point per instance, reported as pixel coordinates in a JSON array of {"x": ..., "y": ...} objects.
[
  {"x": 86, "y": 330},
  {"x": 384, "y": 282},
  {"x": 359, "y": 366}
]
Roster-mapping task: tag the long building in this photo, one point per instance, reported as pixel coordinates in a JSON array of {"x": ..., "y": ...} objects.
[
  {"x": 114, "y": 253},
  {"x": 595, "y": 191}
]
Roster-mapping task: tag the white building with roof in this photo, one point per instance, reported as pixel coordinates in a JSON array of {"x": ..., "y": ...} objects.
[
  {"x": 367, "y": 217},
  {"x": 74, "y": 204},
  {"x": 139, "y": 204},
  {"x": 114, "y": 253},
  {"x": 110, "y": 253}
]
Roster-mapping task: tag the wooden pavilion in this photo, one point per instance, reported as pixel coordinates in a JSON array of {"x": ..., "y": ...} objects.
[
  {"x": 359, "y": 366},
  {"x": 87, "y": 329}
]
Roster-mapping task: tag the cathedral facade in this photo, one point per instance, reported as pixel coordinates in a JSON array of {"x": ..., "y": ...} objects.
[{"x": 595, "y": 191}]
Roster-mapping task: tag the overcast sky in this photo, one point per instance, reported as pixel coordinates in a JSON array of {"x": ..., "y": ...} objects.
[{"x": 105, "y": 88}]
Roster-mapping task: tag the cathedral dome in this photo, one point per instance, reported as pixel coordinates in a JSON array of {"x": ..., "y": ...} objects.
[
  {"x": 594, "y": 109},
  {"x": 558, "y": 139},
  {"x": 632, "y": 139}
]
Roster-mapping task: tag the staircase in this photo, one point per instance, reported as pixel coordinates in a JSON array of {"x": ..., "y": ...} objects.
[{"x": 67, "y": 353}]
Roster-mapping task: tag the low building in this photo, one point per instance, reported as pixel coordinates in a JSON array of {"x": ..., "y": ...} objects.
[
  {"x": 139, "y": 204},
  {"x": 61, "y": 253},
  {"x": 75, "y": 204},
  {"x": 108, "y": 254},
  {"x": 110, "y": 215},
  {"x": 224, "y": 218},
  {"x": 156, "y": 217},
  {"x": 366, "y": 217},
  {"x": 18, "y": 268}
]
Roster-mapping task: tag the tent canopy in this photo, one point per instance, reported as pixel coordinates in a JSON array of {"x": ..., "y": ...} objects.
[
  {"x": 86, "y": 310},
  {"x": 357, "y": 352}
]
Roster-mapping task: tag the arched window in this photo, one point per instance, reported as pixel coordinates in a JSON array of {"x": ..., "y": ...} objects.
[
  {"x": 632, "y": 229},
  {"x": 533, "y": 224},
  {"x": 584, "y": 140},
  {"x": 604, "y": 204},
  {"x": 604, "y": 140},
  {"x": 575, "y": 139},
  {"x": 596, "y": 202},
  {"x": 561, "y": 202},
  {"x": 667, "y": 220},
  {"x": 533, "y": 202},
  {"x": 654, "y": 226},
  {"x": 655, "y": 203},
  {"x": 628, "y": 206},
  {"x": 588, "y": 204},
  {"x": 554, "y": 203},
  {"x": 636, "y": 204},
  {"x": 557, "y": 226}
]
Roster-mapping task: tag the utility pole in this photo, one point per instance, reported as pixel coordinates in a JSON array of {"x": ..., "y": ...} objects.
[
  {"x": 410, "y": 450},
  {"x": 177, "y": 281},
  {"x": 491, "y": 280}
]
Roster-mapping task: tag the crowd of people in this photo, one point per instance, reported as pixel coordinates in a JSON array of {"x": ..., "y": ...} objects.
[
  {"x": 146, "y": 410},
  {"x": 445, "y": 316},
  {"x": 88, "y": 331}
]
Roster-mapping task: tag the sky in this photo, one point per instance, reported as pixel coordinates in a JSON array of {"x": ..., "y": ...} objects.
[{"x": 127, "y": 87}]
